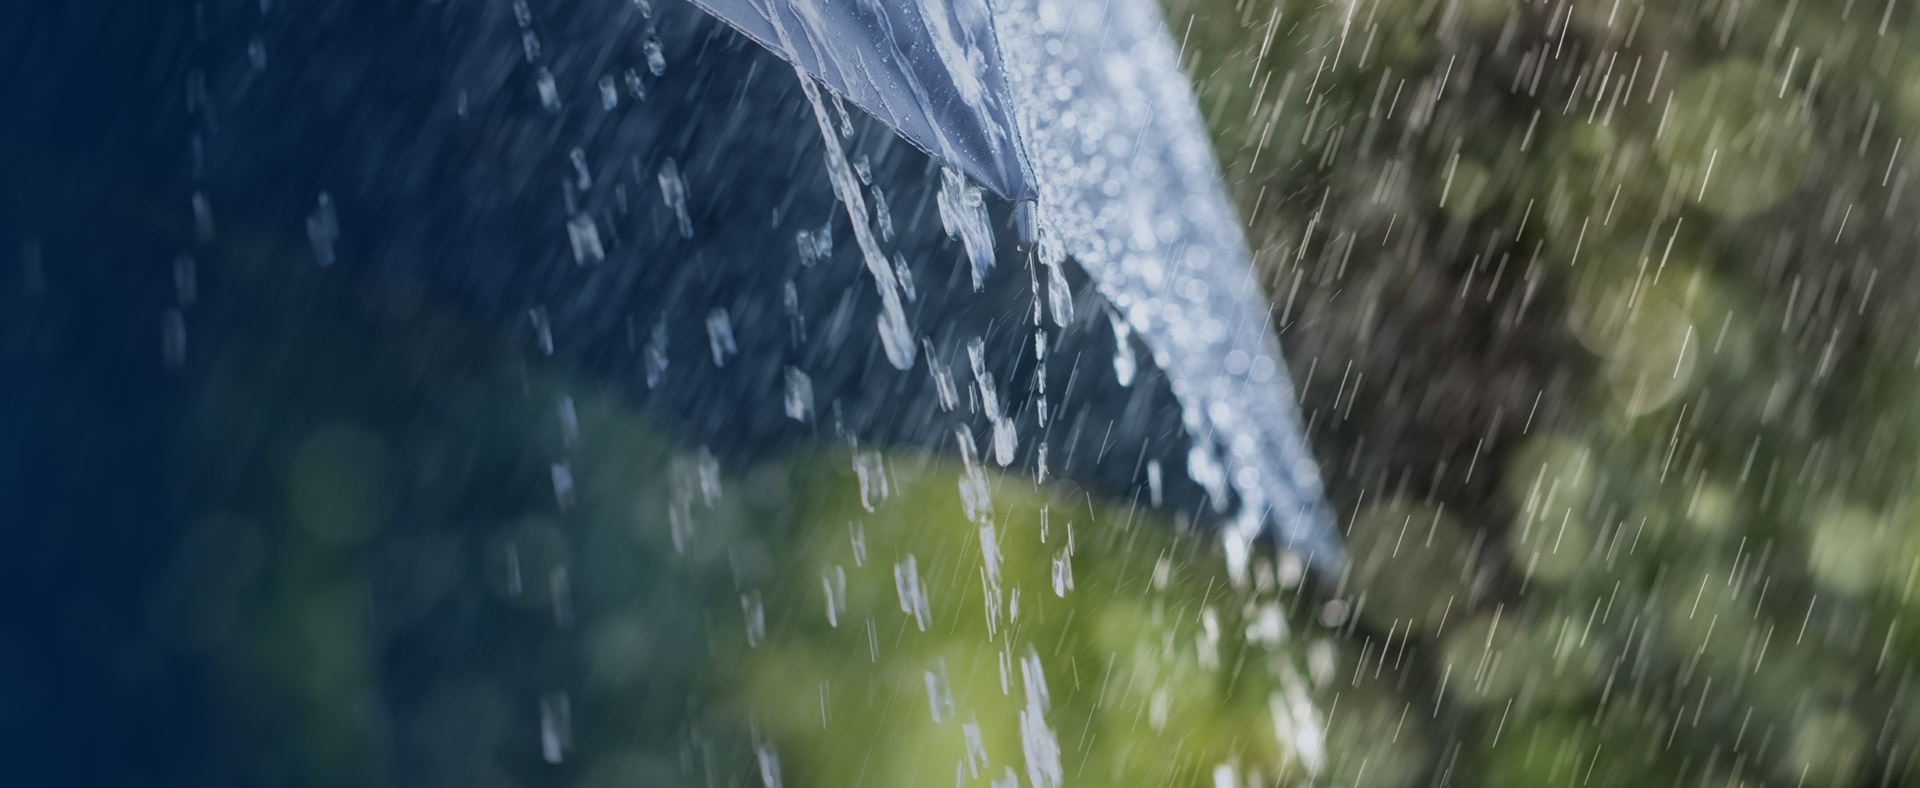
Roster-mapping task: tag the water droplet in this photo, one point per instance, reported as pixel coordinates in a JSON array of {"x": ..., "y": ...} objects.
[
  {"x": 883, "y": 217},
  {"x": 656, "y": 59},
  {"x": 833, "y": 583},
  {"x": 569, "y": 423},
  {"x": 1124, "y": 362},
  {"x": 939, "y": 692},
  {"x": 542, "y": 329},
  {"x": 912, "y": 593},
  {"x": 562, "y": 484},
  {"x": 815, "y": 245},
  {"x": 582, "y": 176},
  {"x": 549, "y": 92},
  {"x": 943, "y": 384},
  {"x": 963, "y": 213},
  {"x": 609, "y": 93},
  {"x": 755, "y": 614},
  {"x": 870, "y": 468},
  {"x": 799, "y": 395},
  {"x": 635, "y": 88},
  {"x": 720, "y": 336},
  {"x": 556, "y": 726},
  {"x": 769, "y": 766},
  {"x": 905, "y": 275},
  {"x": 674, "y": 191},
  {"x": 656, "y": 352},
  {"x": 583, "y": 235},
  {"x": 323, "y": 230}
]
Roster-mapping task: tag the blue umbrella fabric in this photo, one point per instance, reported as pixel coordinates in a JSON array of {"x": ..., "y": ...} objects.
[{"x": 930, "y": 69}]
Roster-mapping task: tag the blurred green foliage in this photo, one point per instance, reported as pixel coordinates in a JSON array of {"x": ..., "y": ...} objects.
[{"x": 1620, "y": 291}]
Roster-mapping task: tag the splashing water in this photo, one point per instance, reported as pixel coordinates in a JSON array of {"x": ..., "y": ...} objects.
[
  {"x": 1176, "y": 270},
  {"x": 963, "y": 212}
]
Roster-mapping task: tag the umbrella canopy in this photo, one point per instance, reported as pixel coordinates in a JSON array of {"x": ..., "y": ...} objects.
[
  {"x": 1126, "y": 187},
  {"x": 928, "y": 68}
]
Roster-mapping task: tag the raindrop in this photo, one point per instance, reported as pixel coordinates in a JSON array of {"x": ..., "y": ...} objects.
[
  {"x": 656, "y": 59},
  {"x": 202, "y": 218},
  {"x": 720, "y": 336},
  {"x": 943, "y": 384},
  {"x": 609, "y": 93},
  {"x": 562, "y": 484},
  {"x": 635, "y": 88},
  {"x": 569, "y": 423},
  {"x": 769, "y": 766},
  {"x": 323, "y": 230},
  {"x": 870, "y": 468},
  {"x": 556, "y": 726},
  {"x": 976, "y": 748},
  {"x": 912, "y": 593},
  {"x": 1062, "y": 574},
  {"x": 1004, "y": 437},
  {"x": 582, "y": 176},
  {"x": 939, "y": 692},
  {"x": 583, "y": 235},
  {"x": 883, "y": 218},
  {"x": 542, "y": 329},
  {"x": 522, "y": 13},
  {"x": 990, "y": 554},
  {"x": 790, "y": 303},
  {"x": 815, "y": 245},
  {"x": 755, "y": 614},
  {"x": 975, "y": 491},
  {"x": 1124, "y": 362},
  {"x": 905, "y": 275},
  {"x": 674, "y": 191},
  {"x": 656, "y": 352},
  {"x": 257, "y": 54},
  {"x": 530, "y": 46},
  {"x": 1037, "y": 741},
  {"x": 549, "y": 92},
  {"x": 799, "y": 395},
  {"x": 833, "y": 584}
]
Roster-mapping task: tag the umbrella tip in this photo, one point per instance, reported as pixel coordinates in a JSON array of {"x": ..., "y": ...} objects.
[{"x": 1024, "y": 216}]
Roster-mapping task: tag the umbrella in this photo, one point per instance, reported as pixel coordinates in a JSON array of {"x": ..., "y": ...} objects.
[
  {"x": 1077, "y": 84},
  {"x": 930, "y": 69}
]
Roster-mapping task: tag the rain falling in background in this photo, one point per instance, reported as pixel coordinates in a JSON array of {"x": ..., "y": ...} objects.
[{"x": 1596, "y": 312}]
